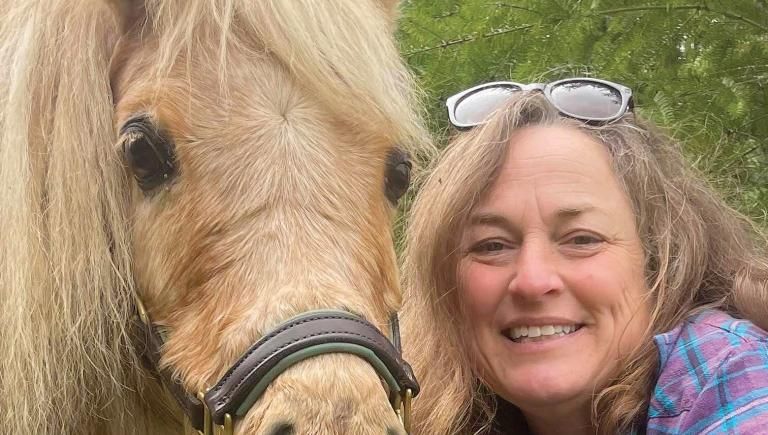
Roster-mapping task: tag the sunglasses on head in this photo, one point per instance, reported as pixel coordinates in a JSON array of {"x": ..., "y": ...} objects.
[{"x": 590, "y": 100}]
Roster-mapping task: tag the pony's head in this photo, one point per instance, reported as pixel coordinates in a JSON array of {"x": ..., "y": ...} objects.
[{"x": 233, "y": 163}]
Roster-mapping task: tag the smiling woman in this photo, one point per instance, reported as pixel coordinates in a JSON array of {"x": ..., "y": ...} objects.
[
  {"x": 569, "y": 272},
  {"x": 552, "y": 247}
]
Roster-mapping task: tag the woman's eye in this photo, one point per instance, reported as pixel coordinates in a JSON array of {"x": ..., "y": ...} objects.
[
  {"x": 489, "y": 246},
  {"x": 584, "y": 240}
]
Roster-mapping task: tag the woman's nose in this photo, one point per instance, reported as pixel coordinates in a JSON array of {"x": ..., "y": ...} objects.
[{"x": 536, "y": 273}]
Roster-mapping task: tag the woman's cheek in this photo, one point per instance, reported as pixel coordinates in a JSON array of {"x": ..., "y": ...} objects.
[{"x": 482, "y": 286}]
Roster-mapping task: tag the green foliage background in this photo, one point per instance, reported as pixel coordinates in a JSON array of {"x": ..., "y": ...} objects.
[{"x": 698, "y": 68}]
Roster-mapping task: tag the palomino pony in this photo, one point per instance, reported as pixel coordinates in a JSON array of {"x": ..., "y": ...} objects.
[{"x": 229, "y": 163}]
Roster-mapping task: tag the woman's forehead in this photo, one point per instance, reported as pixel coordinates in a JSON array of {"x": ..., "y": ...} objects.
[
  {"x": 559, "y": 172},
  {"x": 555, "y": 142}
]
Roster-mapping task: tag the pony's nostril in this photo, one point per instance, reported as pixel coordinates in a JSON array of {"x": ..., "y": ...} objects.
[{"x": 283, "y": 429}]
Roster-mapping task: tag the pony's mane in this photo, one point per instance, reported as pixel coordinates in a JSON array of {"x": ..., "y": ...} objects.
[
  {"x": 66, "y": 303},
  {"x": 65, "y": 296}
]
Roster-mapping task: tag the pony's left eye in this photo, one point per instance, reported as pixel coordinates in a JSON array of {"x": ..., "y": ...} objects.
[
  {"x": 398, "y": 175},
  {"x": 149, "y": 153}
]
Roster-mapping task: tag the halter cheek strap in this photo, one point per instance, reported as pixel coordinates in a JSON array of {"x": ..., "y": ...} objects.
[
  {"x": 149, "y": 342},
  {"x": 304, "y": 336}
]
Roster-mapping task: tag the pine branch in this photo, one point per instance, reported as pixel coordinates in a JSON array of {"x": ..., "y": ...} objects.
[
  {"x": 682, "y": 7},
  {"x": 646, "y": 8},
  {"x": 740, "y": 157},
  {"x": 450, "y": 13},
  {"x": 507, "y": 5},
  {"x": 468, "y": 38}
]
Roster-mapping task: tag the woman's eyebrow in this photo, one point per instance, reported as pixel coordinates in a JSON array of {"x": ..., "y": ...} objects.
[
  {"x": 560, "y": 216},
  {"x": 562, "y": 213},
  {"x": 571, "y": 212},
  {"x": 489, "y": 219}
]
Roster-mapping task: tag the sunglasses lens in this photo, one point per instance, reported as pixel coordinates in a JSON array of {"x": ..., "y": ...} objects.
[
  {"x": 587, "y": 100},
  {"x": 475, "y": 108}
]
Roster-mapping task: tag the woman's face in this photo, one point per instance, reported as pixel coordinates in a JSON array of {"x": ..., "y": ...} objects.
[{"x": 551, "y": 274}]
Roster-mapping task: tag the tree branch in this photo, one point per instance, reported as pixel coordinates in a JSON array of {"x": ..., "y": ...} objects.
[
  {"x": 682, "y": 7},
  {"x": 646, "y": 8},
  {"x": 507, "y": 5},
  {"x": 468, "y": 38},
  {"x": 450, "y": 13}
]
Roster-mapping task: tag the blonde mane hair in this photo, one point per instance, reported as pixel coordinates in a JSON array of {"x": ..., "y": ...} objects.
[
  {"x": 700, "y": 253},
  {"x": 66, "y": 263}
]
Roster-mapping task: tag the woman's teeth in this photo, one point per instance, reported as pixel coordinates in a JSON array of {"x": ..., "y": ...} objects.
[{"x": 523, "y": 334}]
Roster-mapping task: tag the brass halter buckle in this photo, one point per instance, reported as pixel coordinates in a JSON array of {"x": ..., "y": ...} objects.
[
  {"x": 402, "y": 407},
  {"x": 228, "y": 428}
]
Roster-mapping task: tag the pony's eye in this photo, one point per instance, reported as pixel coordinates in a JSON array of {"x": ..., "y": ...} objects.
[
  {"x": 148, "y": 153},
  {"x": 398, "y": 175}
]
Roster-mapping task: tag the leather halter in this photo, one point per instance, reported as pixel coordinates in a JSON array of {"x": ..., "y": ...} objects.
[{"x": 306, "y": 335}]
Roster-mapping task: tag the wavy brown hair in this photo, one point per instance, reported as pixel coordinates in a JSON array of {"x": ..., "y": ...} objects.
[{"x": 700, "y": 253}]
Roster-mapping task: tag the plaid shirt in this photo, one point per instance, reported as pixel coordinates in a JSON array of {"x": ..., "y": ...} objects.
[{"x": 712, "y": 378}]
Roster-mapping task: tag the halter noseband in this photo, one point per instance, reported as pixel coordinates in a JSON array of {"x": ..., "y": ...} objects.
[{"x": 301, "y": 337}]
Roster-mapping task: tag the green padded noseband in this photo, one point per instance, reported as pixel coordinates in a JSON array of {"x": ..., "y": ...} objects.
[{"x": 309, "y": 352}]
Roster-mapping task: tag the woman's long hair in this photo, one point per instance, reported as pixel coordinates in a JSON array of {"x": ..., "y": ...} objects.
[{"x": 700, "y": 253}]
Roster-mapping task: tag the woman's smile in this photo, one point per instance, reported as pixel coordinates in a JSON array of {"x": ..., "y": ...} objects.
[{"x": 535, "y": 334}]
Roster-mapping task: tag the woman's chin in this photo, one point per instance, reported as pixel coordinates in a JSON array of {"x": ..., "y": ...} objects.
[{"x": 544, "y": 387}]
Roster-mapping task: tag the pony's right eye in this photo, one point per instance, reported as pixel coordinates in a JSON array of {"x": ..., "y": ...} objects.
[{"x": 148, "y": 153}]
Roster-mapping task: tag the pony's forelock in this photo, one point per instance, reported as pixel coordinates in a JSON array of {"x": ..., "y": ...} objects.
[{"x": 326, "y": 46}]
